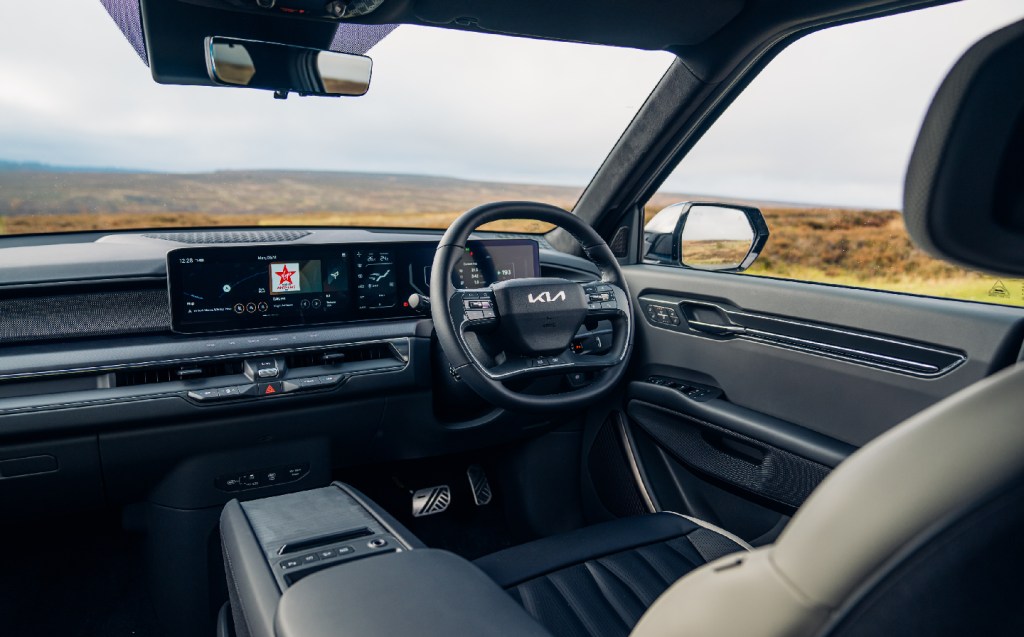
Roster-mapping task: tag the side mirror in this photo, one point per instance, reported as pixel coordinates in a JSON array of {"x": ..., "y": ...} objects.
[
  {"x": 283, "y": 68},
  {"x": 706, "y": 236}
]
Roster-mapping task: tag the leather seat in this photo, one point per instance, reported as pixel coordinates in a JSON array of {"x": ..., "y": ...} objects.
[{"x": 599, "y": 580}]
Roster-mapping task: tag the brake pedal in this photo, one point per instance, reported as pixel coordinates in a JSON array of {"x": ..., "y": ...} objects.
[
  {"x": 480, "y": 486},
  {"x": 431, "y": 500}
]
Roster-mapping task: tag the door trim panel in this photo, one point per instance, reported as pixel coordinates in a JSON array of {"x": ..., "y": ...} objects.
[
  {"x": 849, "y": 402},
  {"x": 719, "y": 320},
  {"x": 779, "y": 478},
  {"x": 746, "y": 422}
]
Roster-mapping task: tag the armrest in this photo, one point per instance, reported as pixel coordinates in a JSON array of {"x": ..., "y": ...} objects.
[{"x": 425, "y": 592}]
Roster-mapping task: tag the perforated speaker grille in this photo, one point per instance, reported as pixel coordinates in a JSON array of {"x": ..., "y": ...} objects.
[
  {"x": 78, "y": 315},
  {"x": 246, "y": 236}
]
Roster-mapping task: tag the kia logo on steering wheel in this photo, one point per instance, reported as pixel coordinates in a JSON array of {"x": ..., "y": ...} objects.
[{"x": 545, "y": 297}]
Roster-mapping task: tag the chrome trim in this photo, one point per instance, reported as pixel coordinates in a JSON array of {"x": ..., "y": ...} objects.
[
  {"x": 837, "y": 348},
  {"x": 838, "y": 330},
  {"x": 634, "y": 465}
]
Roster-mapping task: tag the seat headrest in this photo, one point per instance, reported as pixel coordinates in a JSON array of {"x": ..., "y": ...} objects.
[{"x": 964, "y": 194}]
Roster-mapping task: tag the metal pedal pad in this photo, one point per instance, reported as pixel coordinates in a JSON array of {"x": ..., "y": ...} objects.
[
  {"x": 480, "y": 486},
  {"x": 431, "y": 500}
]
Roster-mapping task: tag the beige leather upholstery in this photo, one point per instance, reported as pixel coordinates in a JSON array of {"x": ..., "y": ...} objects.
[{"x": 889, "y": 493}]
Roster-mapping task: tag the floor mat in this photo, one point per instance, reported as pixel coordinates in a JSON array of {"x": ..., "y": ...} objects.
[{"x": 74, "y": 577}]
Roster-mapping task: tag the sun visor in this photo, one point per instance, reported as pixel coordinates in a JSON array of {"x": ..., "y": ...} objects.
[{"x": 173, "y": 46}]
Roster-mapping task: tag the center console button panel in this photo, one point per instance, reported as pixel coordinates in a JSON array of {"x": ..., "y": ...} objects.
[
  {"x": 258, "y": 478},
  {"x": 305, "y": 532}
]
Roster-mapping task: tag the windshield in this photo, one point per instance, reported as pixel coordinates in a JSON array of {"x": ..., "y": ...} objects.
[{"x": 88, "y": 141}]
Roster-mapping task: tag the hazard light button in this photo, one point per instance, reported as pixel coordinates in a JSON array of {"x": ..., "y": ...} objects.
[{"x": 271, "y": 389}]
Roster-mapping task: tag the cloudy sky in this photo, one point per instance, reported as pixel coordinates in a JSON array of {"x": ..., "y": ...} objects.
[{"x": 832, "y": 120}]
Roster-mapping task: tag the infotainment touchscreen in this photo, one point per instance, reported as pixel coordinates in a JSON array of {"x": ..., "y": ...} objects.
[{"x": 216, "y": 289}]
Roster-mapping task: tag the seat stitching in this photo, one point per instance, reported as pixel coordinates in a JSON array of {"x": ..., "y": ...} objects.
[
  {"x": 527, "y": 600},
  {"x": 657, "y": 566},
  {"x": 614, "y": 600},
  {"x": 625, "y": 582},
  {"x": 685, "y": 556},
  {"x": 580, "y": 617},
  {"x": 647, "y": 565}
]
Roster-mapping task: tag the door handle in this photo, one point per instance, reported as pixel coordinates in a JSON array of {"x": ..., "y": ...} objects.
[
  {"x": 710, "y": 319},
  {"x": 716, "y": 329}
]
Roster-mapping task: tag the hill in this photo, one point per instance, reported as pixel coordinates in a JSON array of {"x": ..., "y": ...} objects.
[{"x": 863, "y": 248}]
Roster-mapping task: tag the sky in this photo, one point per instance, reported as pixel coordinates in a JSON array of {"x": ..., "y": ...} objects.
[{"x": 832, "y": 120}]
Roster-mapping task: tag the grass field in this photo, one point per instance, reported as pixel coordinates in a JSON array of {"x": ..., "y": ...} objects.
[
  {"x": 850, "y": 247},
  {"x": 867, "y": 249}
]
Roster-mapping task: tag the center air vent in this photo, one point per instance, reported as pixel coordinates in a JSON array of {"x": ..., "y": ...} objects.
[
  {"x": 247, "y": 236},
  {"x": 350, "y": 354},
  {"x": 168, "y": 373}
]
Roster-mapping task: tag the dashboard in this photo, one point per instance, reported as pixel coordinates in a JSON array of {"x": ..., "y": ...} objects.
[
  {"x": 219, "y": 289},
  {"x": 131, "y": 358}
]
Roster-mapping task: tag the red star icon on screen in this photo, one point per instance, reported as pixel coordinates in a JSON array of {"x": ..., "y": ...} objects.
[{"x": 285, "y": 274}]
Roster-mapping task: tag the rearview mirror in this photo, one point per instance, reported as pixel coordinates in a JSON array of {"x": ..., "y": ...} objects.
[
  {"x": 706, "y": 236},
  {"x": 283, "y": 68}
]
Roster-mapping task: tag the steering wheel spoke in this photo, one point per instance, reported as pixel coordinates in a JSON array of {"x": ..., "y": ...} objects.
[
  {"x": 473, "y": 309},
  {"x": 531, "y": 367},
  {"x": 605, "y": 300}
]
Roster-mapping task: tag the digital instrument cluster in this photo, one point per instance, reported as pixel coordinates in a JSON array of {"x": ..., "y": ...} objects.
[{"x": 216, "y": 289}]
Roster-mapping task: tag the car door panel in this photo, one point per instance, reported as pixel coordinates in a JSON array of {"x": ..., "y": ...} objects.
[
  {"x": 848, "y": 401},
  {"x": 738, "y": 427}
]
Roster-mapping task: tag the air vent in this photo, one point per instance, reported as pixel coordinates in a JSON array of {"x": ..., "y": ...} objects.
[
  {"x": 249, "y": 236},
  {"x": 334, "y": 356},
  {"x": 169, "y": 373}
]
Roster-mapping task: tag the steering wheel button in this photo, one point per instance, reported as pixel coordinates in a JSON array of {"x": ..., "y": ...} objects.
[
  {"x": 474, "y": 315},
  {"x": 488, "y": 314}
]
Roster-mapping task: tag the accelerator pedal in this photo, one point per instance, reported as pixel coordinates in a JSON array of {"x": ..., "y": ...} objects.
[{"x": 480, "y": 486}]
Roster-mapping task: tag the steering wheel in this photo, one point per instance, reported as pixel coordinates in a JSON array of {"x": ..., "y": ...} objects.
[{"x": 524, "y": 328}]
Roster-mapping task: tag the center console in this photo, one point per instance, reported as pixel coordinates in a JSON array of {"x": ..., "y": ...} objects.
[{"x": 329, "y": 561}]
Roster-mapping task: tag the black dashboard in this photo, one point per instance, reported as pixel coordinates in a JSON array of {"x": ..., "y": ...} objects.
[{"x": 109, "y": 390}]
